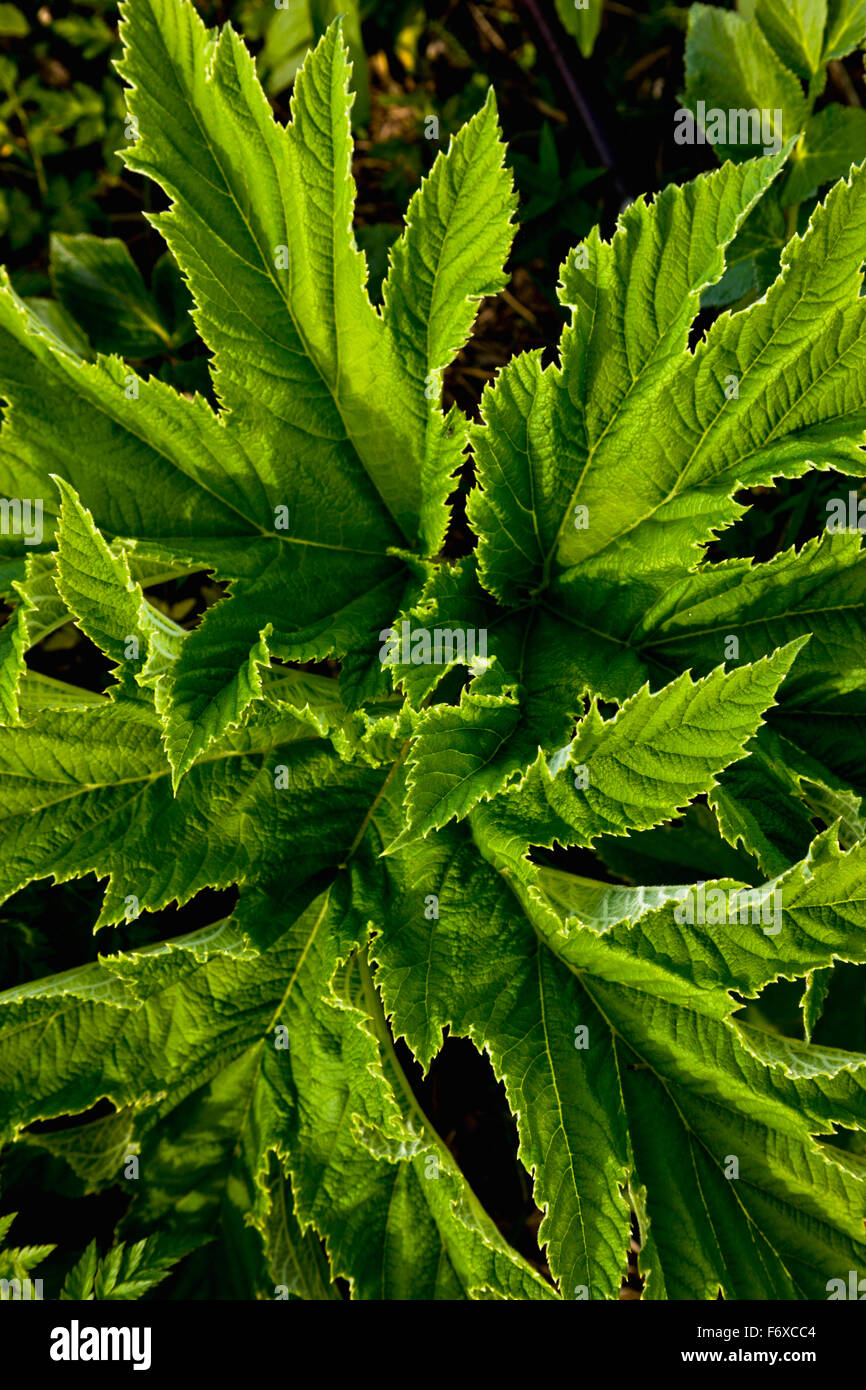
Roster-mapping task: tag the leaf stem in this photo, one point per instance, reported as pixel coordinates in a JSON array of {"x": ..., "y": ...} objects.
[{"x": 578, "y": 100}]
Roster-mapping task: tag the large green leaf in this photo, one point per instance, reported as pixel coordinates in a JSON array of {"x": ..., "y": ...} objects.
[
  {"x": 631, "y": 772},
  {"x": 735, "y": 63},
  {"x": 360, "y": 1155},
  {"x": 611, "y": 1023},
  {"x": 328, "y": 403}
]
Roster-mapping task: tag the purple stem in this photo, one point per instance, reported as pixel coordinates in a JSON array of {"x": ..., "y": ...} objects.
[{"x": 576, "y": 96}]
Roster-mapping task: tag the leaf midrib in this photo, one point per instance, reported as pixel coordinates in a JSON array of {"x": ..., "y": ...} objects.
[{"x": 266, "y": 270}]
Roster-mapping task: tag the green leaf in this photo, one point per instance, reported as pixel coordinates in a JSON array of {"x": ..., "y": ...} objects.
[
  {"x": 17, "y": 1263},
  {"x": 101, "y": 287},
  {"x": 611, "y": 1025},
  {"x": 731, "y": 67},
  {"x": 124, "y": 1273},
  {"x": 552, "y": 435},
  {"x": 752, "y": 259},
  {"x": 770, "y": 802},
  {"x": 322, "y": 14},
  {"x": 39, "y": 611},
  {"x": 357, "y": 1173},
  {"x": 582, "y": 20},
  {"x": 821, "y": 587},
  {"x": 96, "y": 1152},
  {"x": 832, "y": 141},
  {"x": 814, "y": 998},
  {"x": 90, "y": 791},
  {"x": 639, "y": 768},
  {"x": 846, "y": 27},
  {"x": 796, "y": 31},
  {"x": 330, "y": 398},
  {"x": 458, "y": 233},
  {"x": 285, "y": 251},
  {"x": 676, "y": 851},
  {"x": 91, "y": 34},
  {"x": 98, "y": 588},
  {"x": 62, "y": 326},
  {"x": 13, "y": 24}
]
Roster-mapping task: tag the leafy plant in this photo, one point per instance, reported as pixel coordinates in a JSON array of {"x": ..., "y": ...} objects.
[
  {"x": 774, "y": 57},
  {"x": 60, "y": 134},
  {"x": 47, "y": 118},
  {"x": 123, "y": 1274},
  {"x": 290, "y": 30},
  {"x": 404, "y": 839},
  {"x": 18, "y": 1263}
]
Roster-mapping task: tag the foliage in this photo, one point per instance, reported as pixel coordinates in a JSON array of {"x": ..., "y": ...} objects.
[
  {"x": 60, "y": 135},
  {"x": 402, "y": 838},
  {"x": 47, "y": 118},
  {"x": 124, "y": 1273},
  {"x": 774, "y": 56}
]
